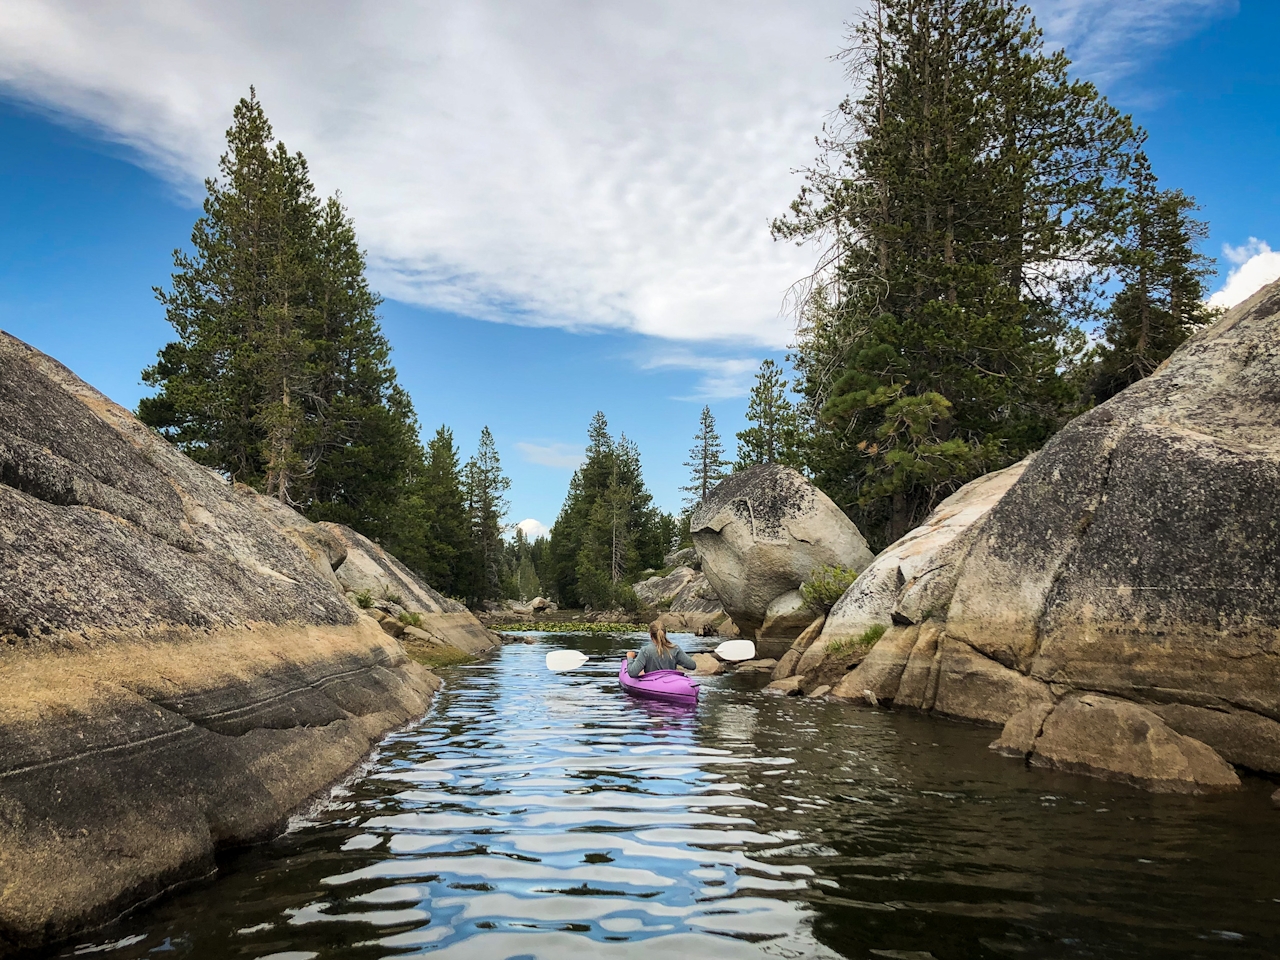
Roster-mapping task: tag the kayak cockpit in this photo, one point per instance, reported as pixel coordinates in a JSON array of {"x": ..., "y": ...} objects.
[{"x": 670, "y": 686}]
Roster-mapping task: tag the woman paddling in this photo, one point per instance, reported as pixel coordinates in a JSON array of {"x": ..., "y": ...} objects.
[{"x": 658, "y": 654}]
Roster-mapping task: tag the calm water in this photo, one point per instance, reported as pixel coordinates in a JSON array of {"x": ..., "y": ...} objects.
[{"x": 534, "y": 815}]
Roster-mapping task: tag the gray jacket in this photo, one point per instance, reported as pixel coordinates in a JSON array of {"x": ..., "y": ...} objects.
[{"x": 648, "y": 660}]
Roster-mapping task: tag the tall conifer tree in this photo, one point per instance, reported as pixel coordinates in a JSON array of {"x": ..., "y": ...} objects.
[
  {"x": 214, "y": 397},
  {"x": 965, "y": 204},
  {"x": 280, "y": 376},
  {"x": 447, "y": 561},
  {"x": 774, "y": 432},
  {"x": 706, "y": 461},
  {"x": 608, "y": 530},
  {"x": 1161, "y": 302},
  {"x": 485, "y": 487}
]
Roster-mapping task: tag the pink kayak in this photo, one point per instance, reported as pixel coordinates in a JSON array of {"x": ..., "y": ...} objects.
[{"x": 669, "y": 686}]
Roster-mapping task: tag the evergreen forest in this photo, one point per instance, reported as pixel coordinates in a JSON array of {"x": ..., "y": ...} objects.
[{"x": 608, "y": 531}]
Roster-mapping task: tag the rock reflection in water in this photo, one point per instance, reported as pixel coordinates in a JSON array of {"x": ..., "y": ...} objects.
[{"x": 552, "y": 816}]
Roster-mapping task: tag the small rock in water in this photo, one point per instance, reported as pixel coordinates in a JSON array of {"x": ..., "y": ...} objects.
[
  {"x": 708, "y": 666},
  {"x": 821, "y": 691},
  {"x": 1275, "y": 798},
  {"x": 789, "y": 686},
  {"x": 757, "y": 666}
]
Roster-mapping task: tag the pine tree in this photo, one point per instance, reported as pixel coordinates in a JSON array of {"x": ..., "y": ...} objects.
[
  {"x": 618, "y": 504},
  {"x": 965, "y": 202},
  {"x": 608, "y": 530},
  {"x": 706, "y": 461},
  {"x": 447, "y": 561},
  {"x": 213, "y": 400},
  {"x": 366, "y": 457},
  {"x": 1161, "y": 302},
  {"x": 526, "y": 584},
  {"x": 485, "y": 488},
  {"x": 281, "y": 376},
  {"x": 283, "y": 345},
  {"x": 774, "y": 432}
]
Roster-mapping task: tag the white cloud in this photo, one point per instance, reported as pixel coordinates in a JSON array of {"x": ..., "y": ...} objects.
[
  {"x": 563, "y": 163},
  {"x": 1256, "y": 265},
  {"x": 1109, "y": 40},
  {"x": 558, "y": 163},
  {"x": 720, "y": 378},
  {"x": 564, "y": 456},
  {"x": 533, "y": 529}
]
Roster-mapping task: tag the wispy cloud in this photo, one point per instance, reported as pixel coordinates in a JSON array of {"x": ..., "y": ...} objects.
[
  {"x": 719, "y": 378},
  {"x": 570, "y": 164},
  {"x": 562, "y": 163},
  {"x": 1256, "y": 265},
  {"x": 563, "y": 456},
  {"x": 1108, "y": 40}
]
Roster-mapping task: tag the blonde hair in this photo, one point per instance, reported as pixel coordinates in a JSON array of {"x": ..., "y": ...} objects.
[{"x": 658, "y": 634}]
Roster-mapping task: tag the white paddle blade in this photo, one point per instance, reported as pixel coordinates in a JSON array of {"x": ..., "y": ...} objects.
[
  {"x": 560, "y": 660},
  {"x": 736, "y": 650}
]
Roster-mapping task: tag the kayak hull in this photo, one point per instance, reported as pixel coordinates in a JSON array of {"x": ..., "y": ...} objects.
[{"x": 665, "y": 686}]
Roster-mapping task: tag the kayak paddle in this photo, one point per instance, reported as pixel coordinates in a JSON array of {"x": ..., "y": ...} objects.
[
  {"x": 560, "y": 660},
  {"x": 736, "y": 650}
]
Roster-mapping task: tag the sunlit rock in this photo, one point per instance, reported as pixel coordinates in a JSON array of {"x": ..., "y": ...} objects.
[{"x": 761, "y": 533}]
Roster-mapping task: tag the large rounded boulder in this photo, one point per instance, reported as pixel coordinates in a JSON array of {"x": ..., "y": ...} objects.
[{"x": 760, "y": 534}]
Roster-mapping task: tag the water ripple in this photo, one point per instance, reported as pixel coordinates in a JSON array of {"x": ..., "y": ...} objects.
[{"x": 532, "y": 815}]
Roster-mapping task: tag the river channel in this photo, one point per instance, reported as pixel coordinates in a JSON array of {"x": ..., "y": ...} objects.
[{"x": 552, "y": 816}]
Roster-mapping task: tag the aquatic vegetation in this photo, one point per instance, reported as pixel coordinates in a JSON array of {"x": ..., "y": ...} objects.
[{"x": 571, "y": 626}]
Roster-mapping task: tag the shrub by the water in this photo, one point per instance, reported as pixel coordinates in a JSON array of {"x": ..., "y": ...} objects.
[
  {"x": 865, "y": 641},
  {"x": 625, "y": 597},
  {"x": 826, "y": 585}
]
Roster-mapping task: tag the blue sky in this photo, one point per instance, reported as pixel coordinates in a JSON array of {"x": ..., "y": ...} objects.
[{"x": 567, "y": 213}]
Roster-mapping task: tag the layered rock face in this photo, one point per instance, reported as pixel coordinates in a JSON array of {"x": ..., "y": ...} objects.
[
  {"x": 179, "y": 668},
  {"x": 913, "y": 579},
  {"x": 697, "y": 609},
  {"x": 662, "y": 590},
  {"x": 438, "y": 624},
  {"x": 685, "y": 557},
  {"x": 760, "y": 534},
  {"x": 1117, "y": 608}
]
